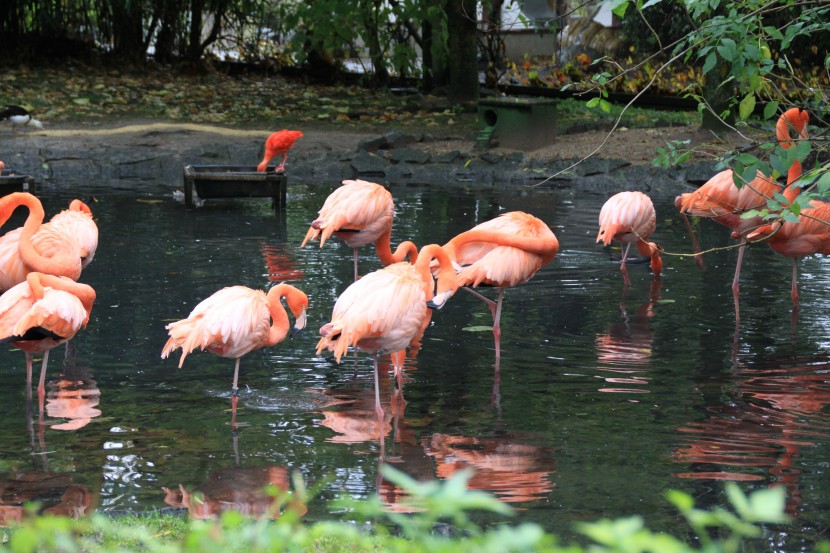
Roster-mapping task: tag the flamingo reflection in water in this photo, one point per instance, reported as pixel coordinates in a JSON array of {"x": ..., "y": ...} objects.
[
  {"x": 280, "y": 265},
  {"x": 350, "y": 413},
  {"x": 514, "y": 471},
  {"x": 55, "y": 493},
  {"x": 625, "y": 349},
  {"x": 776, "y": 412},
  {"x": 74, "y": 395},
  {"x": 241, "y": 489}
]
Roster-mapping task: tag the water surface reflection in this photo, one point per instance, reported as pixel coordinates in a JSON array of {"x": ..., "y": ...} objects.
[{"x": 542, "y": 429}]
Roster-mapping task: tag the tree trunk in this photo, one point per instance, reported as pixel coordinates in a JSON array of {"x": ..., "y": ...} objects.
[{"x": 463, "y": 54}]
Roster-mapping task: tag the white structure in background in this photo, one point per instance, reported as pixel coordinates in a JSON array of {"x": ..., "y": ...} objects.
[{"x": 537, "y": 40}]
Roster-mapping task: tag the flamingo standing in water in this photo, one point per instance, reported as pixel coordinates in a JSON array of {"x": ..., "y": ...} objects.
[
  {"x": 383, "y": 311},
  {"x": 278, "y": 144},
  {"x": 629, "y": 217},
  {"x": 235, "y": 321},
  {"x": 723, "y": 202},
  {"x": 60, "y": 249},
  {"x": 360, "y": 212},
  {"x": 810, "y": 235},
  {"x": 502, "y": 252},
  {"x": 42, "y": 312}
]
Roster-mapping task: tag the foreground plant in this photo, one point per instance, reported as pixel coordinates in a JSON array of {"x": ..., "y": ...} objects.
[{"x": 451, "y": 502}]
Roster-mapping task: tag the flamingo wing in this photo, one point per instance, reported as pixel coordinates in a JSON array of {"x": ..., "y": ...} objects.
[
  {"x": 357, "y": 205},
  {"x": 382, "y": 311},
  {"x": 627, "y": 217},
  {"x": 232, "y": 322}
]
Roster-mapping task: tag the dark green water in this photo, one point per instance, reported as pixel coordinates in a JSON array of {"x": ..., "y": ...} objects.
[{"x": 604, "y": 402}]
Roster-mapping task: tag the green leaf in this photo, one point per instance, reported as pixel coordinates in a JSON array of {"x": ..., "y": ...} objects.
[
  {"x": 709, "y": 64},
  {"x": 727, "y": 49},
  {"x": 770, "y": 109},
  {"x": 747, "y": 106},
  {"x": 683, "y": 501},
  {"x": 592, "y": 103},
  {"x": 823, "y": 184},
  {"x": 477, "y": 328}
]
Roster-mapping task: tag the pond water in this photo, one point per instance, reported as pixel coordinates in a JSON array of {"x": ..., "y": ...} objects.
[{"x": 604, "y": 400}]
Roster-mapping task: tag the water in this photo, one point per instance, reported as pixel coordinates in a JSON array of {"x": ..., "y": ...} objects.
[{"x": 605, "y": 400}]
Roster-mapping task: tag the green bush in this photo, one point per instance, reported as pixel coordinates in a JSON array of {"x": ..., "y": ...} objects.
[{"x": 375, "y": 529}]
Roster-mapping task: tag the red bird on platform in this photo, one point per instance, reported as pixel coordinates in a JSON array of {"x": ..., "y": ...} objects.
[{"x": 278, "y": 144}]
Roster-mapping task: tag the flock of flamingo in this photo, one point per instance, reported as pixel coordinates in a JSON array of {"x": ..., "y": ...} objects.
[{"x": 384, "y": 311}]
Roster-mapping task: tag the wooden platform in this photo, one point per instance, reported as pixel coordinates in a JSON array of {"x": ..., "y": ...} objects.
[
  {"x": 234, "y": 181},
  {"x": 14, "y": 182}
]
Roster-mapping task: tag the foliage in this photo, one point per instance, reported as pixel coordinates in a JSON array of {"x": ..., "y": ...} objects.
[
  {"x": 431, "y": 503},
  {"x": 744, "y": 52}
]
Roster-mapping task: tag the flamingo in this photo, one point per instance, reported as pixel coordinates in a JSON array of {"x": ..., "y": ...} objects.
[
  {"x": 45, "y": 248},
  {"x": 278, "y": 144},
  {"x": 810, "y": 235},
  {"x": 360, "y": 212},
  {"x": 629, "y": 217},
  {"x": 383, "y": 311},
  {"x": 42, "y": 312},
  {"x": 235, "y": 321},
  {"x": 77, "y": 221},
  {"x": 502, "y": 252},
  {"x": 723, "y": 202}
]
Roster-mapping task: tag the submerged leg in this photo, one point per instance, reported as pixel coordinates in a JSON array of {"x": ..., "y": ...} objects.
[
  {"x": 736, "y": 287},
  {"x": 622, "y": 265},
  {"x": 41, "y": 385},
  {"x": 497, "y": 323},
  {"x": 794, "y": 289},
  {"x": 701, "y": 264},
  {"x": 378, "y": 408}
]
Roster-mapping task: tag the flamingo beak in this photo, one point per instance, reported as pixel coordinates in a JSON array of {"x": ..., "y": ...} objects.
[
  {"x": 439, "y": 300},
  {"x": 299, "y": 324}
]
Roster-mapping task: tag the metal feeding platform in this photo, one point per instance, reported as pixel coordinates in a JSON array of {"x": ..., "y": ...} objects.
[
  {"x": 15, "y": 182},
  {"x": 233, "y": 181}
]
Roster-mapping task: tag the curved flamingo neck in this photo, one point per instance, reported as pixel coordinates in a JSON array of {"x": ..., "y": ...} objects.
[
  {"x": 279, "y": 317},
  {"x": 297, "y": 303},
  {"x": 793, "y": 118},
  {"x": 62, "y": 264},
  {"x": 545, "y": 247},
  {"x": 38, "y": 281},
  {"x": 405, "y": 249},
  {"x": 447, "y": 281},
  {"x": 78, "y": 205}
]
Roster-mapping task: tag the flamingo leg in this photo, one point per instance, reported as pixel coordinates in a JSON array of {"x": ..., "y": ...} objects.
[
  {"x": 622, "y": 265},
  {"x": 235, "y": 385},
  {"x": 41, "y": 385},
  {"x": 695, "y": 246},
  {"x": 736, "y": 287},
  {"x": 28, "y": 369},
  {"x": 378, "y": 408},
  {"x": 281, "y": 167},
  {"x": 794, "y": 290},
  {"x": 355, "y": 265},
  {"x": 497, "y": 324},
  {"x": 495, "y": 311}
]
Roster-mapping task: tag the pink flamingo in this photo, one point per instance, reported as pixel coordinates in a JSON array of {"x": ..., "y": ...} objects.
[
  {"x": 723, "y": 202},
  {"x": 63, "y": 247},
  {"x": 235, "y": 321},
  {"x": 383, "y": 311},
  {"x": 360, "y": 212},
  {"x": 502, "y": 252},
  {"x": 629, "y": 217},
  {"x": 42, "y": 312}
]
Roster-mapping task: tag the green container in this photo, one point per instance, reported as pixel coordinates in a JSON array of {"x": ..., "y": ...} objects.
[{"x": 517, "y": 123}]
